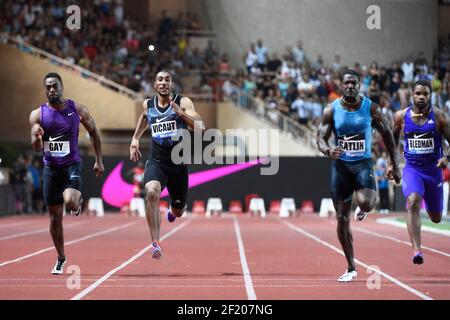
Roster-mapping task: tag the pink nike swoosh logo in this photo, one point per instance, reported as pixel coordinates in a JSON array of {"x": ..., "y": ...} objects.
[{"x": 116, "y": 191}]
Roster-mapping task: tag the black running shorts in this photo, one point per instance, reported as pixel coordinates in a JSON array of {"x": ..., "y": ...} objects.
[
  {"x": 172, "y": 176},
  {"x": 349, "y": 176},
  {"x": 58, "y": 179}
]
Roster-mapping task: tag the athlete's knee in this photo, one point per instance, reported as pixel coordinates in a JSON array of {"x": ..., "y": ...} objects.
[
  {"x": 71, "y": 203},
  {"x": 177, "y": 212},
  {"x": 414, "y": 204},
  {"x": 152, "y": 192},
  {"x": 343, "y": 219},
  {"x": 56, "y": 218},
  {"x": 366, "y": 200},
  {"x": 71, "y": 200},
  {"x": 367, "y": 205},
  {"x": 435, "y": 217}
]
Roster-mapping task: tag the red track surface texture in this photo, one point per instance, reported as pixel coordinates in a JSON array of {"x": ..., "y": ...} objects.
[{"x": 233, "y": 257}]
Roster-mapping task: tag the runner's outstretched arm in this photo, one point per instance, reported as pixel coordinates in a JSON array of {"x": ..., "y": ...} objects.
[
  {"x": 141, "y": 127},
  {"x": 88, "y": 122},
  {"x": 380, "y": 123}
]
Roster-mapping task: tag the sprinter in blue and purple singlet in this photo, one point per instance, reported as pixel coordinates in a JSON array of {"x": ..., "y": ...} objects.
[{"x": 423, "y": 126}]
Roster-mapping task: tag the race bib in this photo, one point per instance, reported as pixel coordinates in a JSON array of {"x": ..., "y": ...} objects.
[
  {"x": 165, "y": 129},
  {"x": 57, "y": 148},
  {"x": 420, "y": 143},
  {"x": 353, "y": 145}
]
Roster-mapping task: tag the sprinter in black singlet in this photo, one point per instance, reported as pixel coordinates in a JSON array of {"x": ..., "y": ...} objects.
[{"x": 165, "y": 114}]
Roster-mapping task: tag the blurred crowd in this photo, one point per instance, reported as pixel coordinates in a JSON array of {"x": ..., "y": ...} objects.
[
  {"x": 25, "y": 178},
  {"x": 111, "y": 43},
  {"x": 301, "y": 86}
]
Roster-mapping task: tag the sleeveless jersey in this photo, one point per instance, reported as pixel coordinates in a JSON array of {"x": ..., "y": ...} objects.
[
  {"x": 353, "y": 130},
  {"x": 164, "y": 125},
  {"x": 423, "y": 144},
  {"x": 61, "y": 128}
]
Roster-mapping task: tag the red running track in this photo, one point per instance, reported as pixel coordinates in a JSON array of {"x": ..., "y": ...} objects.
[{"x": 221, "y": 258}]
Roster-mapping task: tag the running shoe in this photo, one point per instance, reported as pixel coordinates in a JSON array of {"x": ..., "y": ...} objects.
[
  {"x": 348, "y": 276},
  {"x": 418, "y": 257},
  {"x": 359, "y": 214},
  {"x": 170, "y": 217},
  {"x": 59, "y": 266},
  {"x": 156, "y": 251}
]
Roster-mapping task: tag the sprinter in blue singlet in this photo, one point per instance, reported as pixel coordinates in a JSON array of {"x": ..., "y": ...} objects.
[
  {"x": 351, "y": 119},
  {"x": 423, "y": 126},
  {"x": 165, "y": 115}
]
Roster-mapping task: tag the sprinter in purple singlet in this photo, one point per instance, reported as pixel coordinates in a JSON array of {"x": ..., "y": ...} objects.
[
  {"x": 54, "y": 130},
  {"x": 423, "y": 127}
]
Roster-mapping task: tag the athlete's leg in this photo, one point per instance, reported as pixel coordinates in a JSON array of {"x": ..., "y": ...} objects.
[
  {"x": 56, "y": 229},
  {"x": 52, "y": 188},
  {"x": 72, "y": 188},
  {"x": 177, "y": 212},
  {"x": 436, "y": 217},
  {"x": 178, "y": 189},
  {"x": 155, "y": 180},
  {"x": 344, "y": 232},
  {"x": 414, "y": 222},
  {"x": 366, "y": 199},
  {"x": 365, "y": 185},
  {"x": 153, "y": 191},
  {"x": 341, "y": 192},
  {"x": 434, "y": 194},
  {"x": 413, "y": 190}
]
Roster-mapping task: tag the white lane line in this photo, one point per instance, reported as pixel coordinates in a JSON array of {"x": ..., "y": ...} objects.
[
  {"x": 394, "y": 280},
  {"x": 69, "y": 243},
  {"x": 123, "y": 265},
  {"x": 376, "y": 234},
  {"x": 197, "y": 286},
  {"x": 17, "y": 235},
  {"x": 247, "y": 277},
  {"x": 14, "y": 224},
  {"x": 402, "y": 225}
]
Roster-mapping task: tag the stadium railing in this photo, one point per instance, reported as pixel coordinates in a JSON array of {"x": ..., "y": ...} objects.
[{"x": 274, "y": 117}]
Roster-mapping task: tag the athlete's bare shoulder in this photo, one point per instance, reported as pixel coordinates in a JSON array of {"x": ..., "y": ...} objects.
[
  {"x": 441, "y": 117},
  {"x": 438, "y": 112},
  {"x": 399, "y": 116},
  {"x": 35, "y": 116},
  {"x": 145, "y": 104},
  {"x": 328, "y": 113},
  {"x": 186, "y": 103}
]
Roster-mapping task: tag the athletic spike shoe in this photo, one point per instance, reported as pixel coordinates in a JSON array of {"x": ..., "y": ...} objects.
[
  {"x": 59, "y": 266},
  {"x": 348, "y": 276},
  {"x": 359, "y": 214},
  {"x": 170, "y": 217},
  {"x": 418, "y": 257},
  {"x": 156, "y": 251}
]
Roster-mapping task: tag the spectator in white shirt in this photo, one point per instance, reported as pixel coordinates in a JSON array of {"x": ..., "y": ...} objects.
[
  {"x": 408, "y": 70},
  {"x": 261, "y": 52},
  {"x": 251, "y": 57},
  {"x": 306, "y": 85},
  {"x": 302, "y": 110},
  {"x": 298, "y": 53}
]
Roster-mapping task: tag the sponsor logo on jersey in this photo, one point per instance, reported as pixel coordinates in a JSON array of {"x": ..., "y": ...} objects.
[
  {"x": 420, "y": 142},
  {"x": 353, "y": 145}
]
